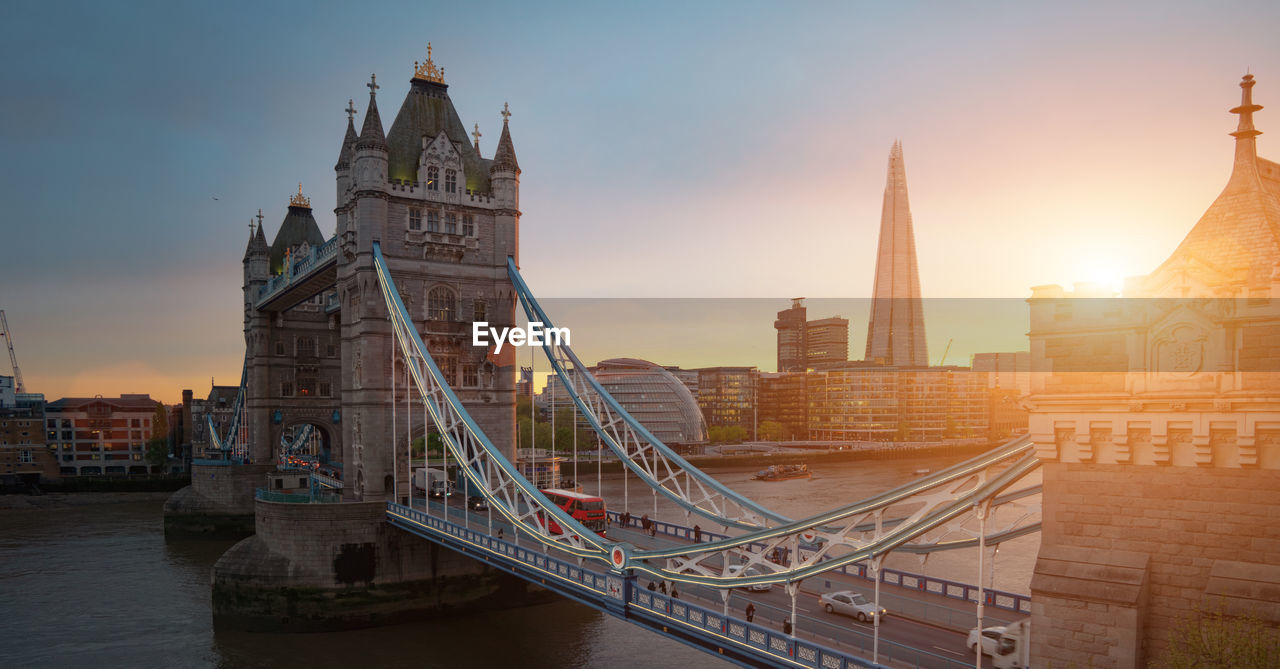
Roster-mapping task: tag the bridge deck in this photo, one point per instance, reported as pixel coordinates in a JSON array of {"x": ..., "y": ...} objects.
[{"x": 919, "y": 639}]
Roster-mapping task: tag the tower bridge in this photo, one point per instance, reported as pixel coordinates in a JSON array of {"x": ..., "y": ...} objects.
[{"x": 360, "y": 340}]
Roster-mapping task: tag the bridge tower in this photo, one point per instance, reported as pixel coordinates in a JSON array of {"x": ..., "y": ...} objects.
[
  {"x": 447, "y": 219},
  {"x": 1157, "y": 418},
  {"x": 291, "y": 345}
]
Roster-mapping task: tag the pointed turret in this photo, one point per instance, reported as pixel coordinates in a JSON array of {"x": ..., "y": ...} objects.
[
  {"x": 371, "y": 136},
  {"x": 257, "y": 246},
  {"x": 504, "y": 158},
  {"x": 348, "y": 152},
  {"x": 895, "y": 335}
]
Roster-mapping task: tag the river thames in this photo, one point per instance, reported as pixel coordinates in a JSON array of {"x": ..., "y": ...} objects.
[{"x": 98, "y": 585}]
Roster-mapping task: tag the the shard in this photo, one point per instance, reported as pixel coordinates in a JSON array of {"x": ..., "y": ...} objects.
[{"x": 895, "y": 335}]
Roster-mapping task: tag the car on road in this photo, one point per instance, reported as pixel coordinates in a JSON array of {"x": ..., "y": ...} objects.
[
  {"x": 850, "y": 603},
  {"x": 990, "y": 639},
  {"x": 736, "y": 570},
  {"x": 477, "y": 503}
]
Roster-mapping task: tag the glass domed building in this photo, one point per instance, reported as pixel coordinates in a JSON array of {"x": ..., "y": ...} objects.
[{"x": 655, "y": 397}]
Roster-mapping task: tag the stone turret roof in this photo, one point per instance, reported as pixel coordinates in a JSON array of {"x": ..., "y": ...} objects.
[
  {"x": 505, "y": 155},
  {"x": 299, "y": 226},
  {"x": 257, "y": 245},
  {"x": 1238, "y": 237},
  {"x": 426, "y": 112},
  {"x": 371, "y": 136},
  {"x": 348, "y": 152}
]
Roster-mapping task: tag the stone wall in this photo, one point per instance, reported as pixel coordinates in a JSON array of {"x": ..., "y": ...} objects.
[
  {"x": 219, "y": 501},
  {"x": 1128, "y": 551},
  {"x": 335, "y": 566}
]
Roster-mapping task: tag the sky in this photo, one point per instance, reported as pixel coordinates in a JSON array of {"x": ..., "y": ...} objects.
[{"x": 669, "y": 150}]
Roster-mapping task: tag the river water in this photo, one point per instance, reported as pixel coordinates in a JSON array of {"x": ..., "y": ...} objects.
[{"x": 98, "y": 586}]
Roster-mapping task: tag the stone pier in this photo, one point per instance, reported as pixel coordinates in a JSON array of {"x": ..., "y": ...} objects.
[{"x": 314, "y": 567}]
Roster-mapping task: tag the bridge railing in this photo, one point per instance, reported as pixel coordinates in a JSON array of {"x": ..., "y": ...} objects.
[
  {"x": 318, "y": 256},
  {"x": 536, "y": 565},
  {"x": 211, "y": 462},
  {"x": 1008, "y": 601},
  {"x": 296, "y": 498}
]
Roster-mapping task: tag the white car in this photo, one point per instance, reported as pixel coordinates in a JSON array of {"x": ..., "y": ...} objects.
[
  {"x": 990, "y": 639},
  {"x": 736, "y": 570},
  {"x": 850, "y": 603}
]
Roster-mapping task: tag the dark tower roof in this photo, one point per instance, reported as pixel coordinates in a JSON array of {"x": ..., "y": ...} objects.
[
  {"x": 348, "y": 152},
  {"x": 426, "y": 112},
  {"x": 505, "y": 155},
  {"x": 299, "y": 226},
  {"x": 371, "y": 136}
]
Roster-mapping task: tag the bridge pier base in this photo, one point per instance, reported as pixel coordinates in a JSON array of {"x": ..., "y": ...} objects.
[
  {"x": 218, "y": 503},
  {"x": 314, "y": 567}
]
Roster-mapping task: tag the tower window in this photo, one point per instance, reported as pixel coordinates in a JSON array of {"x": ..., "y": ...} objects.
[
  {"x": 415, "y": 219},
  {"x": 469, "y": 376},
  {"x": 468, "y": 225},
  {"x": 441, "y": 304},
  {"x": 451, "y": 223},
  {"x": 478, "y": 311},
  {"x": 279, "y": 348},
  {"x": 326, "y": 389},
  {"x": 433, "y": 177},
  {"x": 286, "y": 389},
  {"x": 433, "y": 221},
  {"x": 450, "y": 181}
]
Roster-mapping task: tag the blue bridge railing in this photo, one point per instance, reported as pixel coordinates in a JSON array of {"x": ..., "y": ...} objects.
[
  {"x": 619, "y": 594},
  {"x": 299, "y": 269},
  {"x": 1008, "y": 601}
]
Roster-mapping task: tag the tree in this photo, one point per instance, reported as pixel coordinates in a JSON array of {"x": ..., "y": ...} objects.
[
  {"x": 771, "y": 430},
  {"x": 158, "y": 451},
  {"x": 158, "y": 445},
  {"x": 1211, "y": 638}
]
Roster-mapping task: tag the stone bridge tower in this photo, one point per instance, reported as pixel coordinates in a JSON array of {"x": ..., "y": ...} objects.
[
  {"x": 446, "y": 219},
  {"x": 1157, "y": 417},
  {"x": 292, "y": 358}
]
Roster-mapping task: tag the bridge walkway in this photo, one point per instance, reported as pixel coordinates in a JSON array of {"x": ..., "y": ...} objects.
[{"x": 904, "y": 641}]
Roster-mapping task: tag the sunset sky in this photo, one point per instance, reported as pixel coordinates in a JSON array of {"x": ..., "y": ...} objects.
[{"x": 715, "y": 150}]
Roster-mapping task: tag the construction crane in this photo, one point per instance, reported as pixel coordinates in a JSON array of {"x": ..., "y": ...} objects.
[
  {"x": 13, "y": 359},
  {"x": 941, "y": 362}
]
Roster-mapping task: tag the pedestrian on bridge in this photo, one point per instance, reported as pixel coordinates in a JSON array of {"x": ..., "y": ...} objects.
[
  {"x": 751, "y": 612},
  {"x": 697, "y": 534},
  {"x": 786, "y": 625},
  {"x": 663, "y": 587},
  {"x": 652, "y": 587},
  {"x": 644, "y": 523},
  {"x": 675, "y": 594}
]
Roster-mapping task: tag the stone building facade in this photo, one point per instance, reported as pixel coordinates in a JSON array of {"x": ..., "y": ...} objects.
[
  {"x": 1157, "y": 418},
  {"x": 446, "y": 220}
]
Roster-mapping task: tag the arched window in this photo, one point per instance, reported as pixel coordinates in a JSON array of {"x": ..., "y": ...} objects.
[
  {"x": 433, "y": 177},
  {"x": 450, "y": 181},
  {"x": 441, "y": 305}
]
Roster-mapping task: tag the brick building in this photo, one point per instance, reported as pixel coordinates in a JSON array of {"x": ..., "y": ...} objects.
[{"x": 97, "y": 435}]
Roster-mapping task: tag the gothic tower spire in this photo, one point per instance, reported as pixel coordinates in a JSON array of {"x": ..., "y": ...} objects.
[
  {"x": 371, "y": 135},
  {"x": 895, "y": 335}
]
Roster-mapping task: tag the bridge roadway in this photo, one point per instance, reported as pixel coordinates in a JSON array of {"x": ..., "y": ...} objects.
[{"x": 904, "y": 641}]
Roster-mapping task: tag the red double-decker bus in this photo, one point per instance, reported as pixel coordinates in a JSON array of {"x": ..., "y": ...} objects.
[{"x": 585, "y": 509}]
